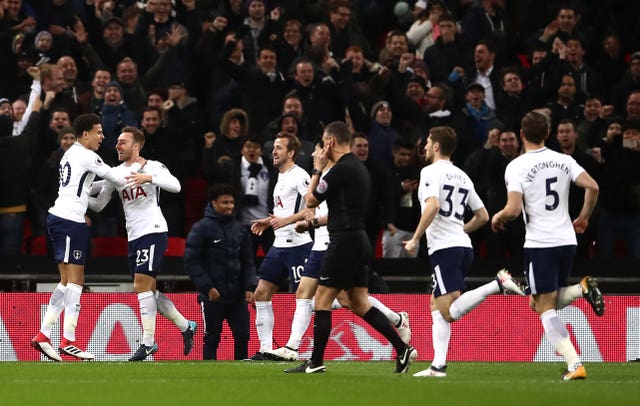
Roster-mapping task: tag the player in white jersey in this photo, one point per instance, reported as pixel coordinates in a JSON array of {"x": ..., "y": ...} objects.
[
  {"x": 538, "y": 185},
  {"x": 445, "y": 193},
  {"x": 290, "y": 249},
  {"x": 146, "y": 233},
  {"x": 69, "y": 234},
  {"x": 309, "y": 282}
]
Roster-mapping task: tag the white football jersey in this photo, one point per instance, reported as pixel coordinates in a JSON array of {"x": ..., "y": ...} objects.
[
  {"x": 78, "y": 167},
  {"x": 455, "y": 192},
  {"x": 543, "y": 177},
  {"x": 321, "y": 234},
  {"x": 141, "y": 204},
  {"x": 288, "y": 199}
]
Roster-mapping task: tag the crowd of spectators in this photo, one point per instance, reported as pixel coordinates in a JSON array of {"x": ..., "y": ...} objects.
[{"x": 202, "y": 77}]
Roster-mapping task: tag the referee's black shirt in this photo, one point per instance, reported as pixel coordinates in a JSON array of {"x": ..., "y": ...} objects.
[{"x": 346, "y": 189}]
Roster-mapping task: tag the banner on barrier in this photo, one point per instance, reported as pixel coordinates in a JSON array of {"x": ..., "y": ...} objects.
[{"x": 502, "y": 328}]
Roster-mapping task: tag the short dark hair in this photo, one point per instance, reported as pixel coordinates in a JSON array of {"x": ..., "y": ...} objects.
[
  {"x": 85, "y": 122},
  {"x": 446, "y": 137},
  {"x": 510, "y": 70},
  {"x": 340, "y": 131},
  {"x": 535, "y": 126},
  {"x": 447, "y": 92},
  {"x": 568, "y": 121},
  {"x": 253, "y": 139},
  {"x": 403, "y": 142},
  {"x": 268, "y": 47},
  {"x": 152, "y": 108},
  {"x": 446, "y": 16},
  {"x": 219, "y": 189},
  {"x": 138, "y": 135},
  {"x": 293, "y": 143},
  {"x": 489, "y": 44},
  {"x": 358, "y": 134}
]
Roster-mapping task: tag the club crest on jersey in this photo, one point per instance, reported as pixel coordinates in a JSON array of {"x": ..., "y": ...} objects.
[
  {"x": 132, "y": 193},
  {"x": 77, "y": 254}
]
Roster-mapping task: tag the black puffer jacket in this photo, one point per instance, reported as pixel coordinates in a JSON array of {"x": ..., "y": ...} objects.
[{"x": 218, "y": 255}]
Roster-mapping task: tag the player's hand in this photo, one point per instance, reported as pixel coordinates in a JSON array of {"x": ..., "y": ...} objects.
[
  {"x": 302, "y": 226},
  {"x": 260, "y": 225},
  {"x": 496, "y": 223},
  {"x": 277, "y": 222},
  {"x": 410, "y": 246},
  {"x": 250, "y": 298},
  {"x": 137, "y": 179},
  {"x": 214, "y": 295},
  {"x": 580, "y": 225}
]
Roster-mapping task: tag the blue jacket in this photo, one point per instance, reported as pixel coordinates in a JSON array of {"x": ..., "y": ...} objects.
[{"x": 218, "y": 254}]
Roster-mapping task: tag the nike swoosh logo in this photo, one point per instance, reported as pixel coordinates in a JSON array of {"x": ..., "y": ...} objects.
[
  {"x": 404, "y": 359},
  {"x": 309, "y": 370},
  {"x": 324, "y": 278},
  {"x": 217, "y": 241},
  {"x": 149, "y": 351}
]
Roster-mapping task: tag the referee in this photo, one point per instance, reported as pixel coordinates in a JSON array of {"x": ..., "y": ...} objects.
[{"x": 346, "y": 189}]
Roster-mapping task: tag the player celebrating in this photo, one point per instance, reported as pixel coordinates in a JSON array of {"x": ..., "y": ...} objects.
[
  {"x": 290, "y": 249},
  {"x": 69, "y": 234},
  {"x": 147, "y": 235},
  {"x": 445, "y": 192},
  {"x": 539, "y": 181}
]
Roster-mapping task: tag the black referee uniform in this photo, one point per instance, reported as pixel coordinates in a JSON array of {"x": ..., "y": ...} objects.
[{"x": 346, "y": 189}]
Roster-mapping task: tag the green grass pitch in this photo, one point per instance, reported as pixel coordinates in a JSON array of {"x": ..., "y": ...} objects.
[{"x": 344, "y": 383}]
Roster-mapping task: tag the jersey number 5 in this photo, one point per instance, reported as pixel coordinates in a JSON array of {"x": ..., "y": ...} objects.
[{"x": 555, "y": 199}]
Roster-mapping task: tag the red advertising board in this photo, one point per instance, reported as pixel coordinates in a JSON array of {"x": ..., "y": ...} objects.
[{"x": 502, "y": 328}]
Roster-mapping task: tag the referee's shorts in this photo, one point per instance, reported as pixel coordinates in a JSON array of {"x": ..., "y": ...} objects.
[{"x": 346, "y": 262}]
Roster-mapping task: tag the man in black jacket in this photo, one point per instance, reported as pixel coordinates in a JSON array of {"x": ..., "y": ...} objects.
[
  {"x": 219, "y": 261},
  {"x": 16, "y": 154}
]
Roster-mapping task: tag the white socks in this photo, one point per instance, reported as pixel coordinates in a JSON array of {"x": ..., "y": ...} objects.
[
  {"x": 335, "y": 305},
  {"x": 56, "y": 305},
  {"x": 301, "y": 320},
  {"x": 71, "y": 310},
  {"x": 558, "y": 335},
  {"x": 567, "y": 295},
  {"x": 148, "y": 311},
  {"x": 440, "y": 333},
  {"x": 469, "y": 300},
  {"x": 393, "y": 317},
  {"x": 264, "y": 324},
  {"x": 169, "y": 311}
]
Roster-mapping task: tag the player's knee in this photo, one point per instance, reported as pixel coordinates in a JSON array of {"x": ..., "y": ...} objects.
[{"x": 445, "y": 315}]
